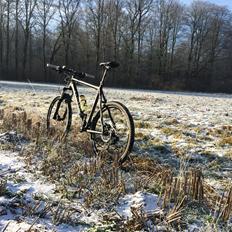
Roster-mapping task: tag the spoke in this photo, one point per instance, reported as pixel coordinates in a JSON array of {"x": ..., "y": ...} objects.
[{"x": 118, "y": 125}]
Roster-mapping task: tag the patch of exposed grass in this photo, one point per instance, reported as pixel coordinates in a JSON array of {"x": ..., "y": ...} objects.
[
  {"x": 142, "y": 136},
  {"x": 142, "y": 124},
  {"x": 7, "y": 146},
  {"x": 95, "y": 181},
  {"x": 139, "y": 98},
  {"x": 229, "y": 154},
  {"x": 225, "y": 141},
  {"x": 223, "y": 131},
  {"x": 205, "y": 152},
  {"x": 171, "y": 131},
  {"x": 155, "y": 142},
  {"x": 162, "y": 148},
  {"x": 171, "y": 121},
  {"x": 179, "y": 151}
]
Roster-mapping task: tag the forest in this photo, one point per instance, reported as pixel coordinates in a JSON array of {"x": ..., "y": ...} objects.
[{"x": 160, "y": 44}]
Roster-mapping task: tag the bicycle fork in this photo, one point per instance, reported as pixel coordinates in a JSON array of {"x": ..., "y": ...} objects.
[{"x": 64, "y": 97}]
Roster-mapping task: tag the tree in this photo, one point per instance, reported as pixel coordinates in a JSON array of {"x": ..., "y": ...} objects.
[
  {"x": 95, "y": 19},
  {"x": 27, "y": 25},
  {"x": 2, "y": 8},
  {"x": 169, "y": 14},
  {"x": 16, "y": 38},
  {"x": 159, "y": 43},
  {"x": 46, "y": 11},
  {"x": 8, "y": 3},
  {"x": 68, "y": 10}
]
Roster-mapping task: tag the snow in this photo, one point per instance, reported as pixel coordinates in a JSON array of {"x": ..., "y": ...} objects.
[
  {"x": 13, "y": 223},
  {"x": 147, "y": 201},
  {"x": 13, "y": 163}
]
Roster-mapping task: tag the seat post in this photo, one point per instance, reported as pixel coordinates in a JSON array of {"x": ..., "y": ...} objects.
[{"x": 103, "y": 76}]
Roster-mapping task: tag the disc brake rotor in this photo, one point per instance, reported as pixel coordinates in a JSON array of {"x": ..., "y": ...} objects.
[{"x": 106, "y": 135}]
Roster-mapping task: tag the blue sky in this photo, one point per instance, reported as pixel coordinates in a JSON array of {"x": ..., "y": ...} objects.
[{"x": 218, "y": 2}]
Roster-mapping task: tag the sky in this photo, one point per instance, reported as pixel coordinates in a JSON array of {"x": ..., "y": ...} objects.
[{"x": 218, "y": 2}]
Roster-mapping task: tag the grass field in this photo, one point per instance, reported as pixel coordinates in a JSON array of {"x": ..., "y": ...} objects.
[{"x": 178, "y": 177}]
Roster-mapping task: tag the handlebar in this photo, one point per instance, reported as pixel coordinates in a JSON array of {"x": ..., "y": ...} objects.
[
  {"x": 54, "y": 67},
  {"x": 64, "y": 69}
]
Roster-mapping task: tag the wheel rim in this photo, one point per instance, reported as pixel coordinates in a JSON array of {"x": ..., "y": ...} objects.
[
  {"x": 58, "y": 125},
  {"x": 114, "y": 141}
]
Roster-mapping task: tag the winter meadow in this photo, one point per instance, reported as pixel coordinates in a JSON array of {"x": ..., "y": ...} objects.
[{"x": 175, "y": 79}]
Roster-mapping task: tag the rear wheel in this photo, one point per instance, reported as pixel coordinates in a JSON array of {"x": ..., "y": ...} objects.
[
  {"x": 117, "y": 138},
  {"x": 59, "y": 118}
]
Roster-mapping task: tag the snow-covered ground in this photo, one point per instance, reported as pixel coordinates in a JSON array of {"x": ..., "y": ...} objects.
[
  {"x": 23, "y": 187},
  {"x": 19, "y": 181},
  {"x": 178, "y": 129}
]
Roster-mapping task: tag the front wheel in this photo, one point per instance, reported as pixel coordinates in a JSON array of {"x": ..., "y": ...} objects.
[
  {"x": 59, "y": 117},
  {"x": 117, "y": 132}
]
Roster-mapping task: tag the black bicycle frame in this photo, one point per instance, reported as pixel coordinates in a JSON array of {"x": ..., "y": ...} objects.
[{"x": 100, "y": 97}]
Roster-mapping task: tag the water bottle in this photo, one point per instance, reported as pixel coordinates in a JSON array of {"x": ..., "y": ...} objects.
[{"x": 83, "y": 103}]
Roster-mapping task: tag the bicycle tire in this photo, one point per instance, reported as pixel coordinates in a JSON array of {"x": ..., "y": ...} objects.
[
  {"x": 68, "y": 116},
  {"x": 123, "y": 109}
]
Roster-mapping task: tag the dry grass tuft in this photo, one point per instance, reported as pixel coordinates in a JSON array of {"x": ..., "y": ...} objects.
[
  {"x": 16, "y": 118},
  {"x": 182, "y": 189},
  {"x": 172, "y": 131},
  {"x": 225, "y": 141},
  {"x": 144, "y": 98},
  {"x": 2, "y": 187},
  {"x": 143, "y": 125},
  {"x": 171, "y": 121}
]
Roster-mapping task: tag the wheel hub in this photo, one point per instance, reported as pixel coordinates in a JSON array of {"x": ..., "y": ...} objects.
[{"x": 108, "y": 133}]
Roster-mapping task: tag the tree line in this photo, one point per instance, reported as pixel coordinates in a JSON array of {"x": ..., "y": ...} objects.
[{"x": 160, "y": 44}]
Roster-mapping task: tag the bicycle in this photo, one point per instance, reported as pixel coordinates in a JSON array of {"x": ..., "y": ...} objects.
[{"x": 111, "y": 126}]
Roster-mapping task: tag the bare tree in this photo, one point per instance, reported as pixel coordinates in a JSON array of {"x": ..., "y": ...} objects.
[
  {"x": 198, "y": 21},
  {"x": 157, "y": 42},
  {"x": 96, "y": 21},
  {"x": 46, "y": 11},
  {"x": 27, "y": 24},
  {"x": 144, "y": 7},
  {"x": 165, "y": 18},
  {"x": 16, "y": 37},
  {"x": 8, "y": 2},
  {"x": 177, "y": 13},
  {"x": 219, "y": 17},
  {"x": 2, "y": 6},
  {"x": 68, "y": 10},
  {"x": 129, "y": 31}
]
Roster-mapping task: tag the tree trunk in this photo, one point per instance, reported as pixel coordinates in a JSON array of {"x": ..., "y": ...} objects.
[
  {"x": 16, "y": 37},
  {"x": 30, "y": 55},
  {"x": 1, "y": 35},
  {"x": 44, "y": 51},
  {"x": 8, "y": 37},
  {"x": 25, "y": 51},
  {"x": 139, "y": 40}
]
